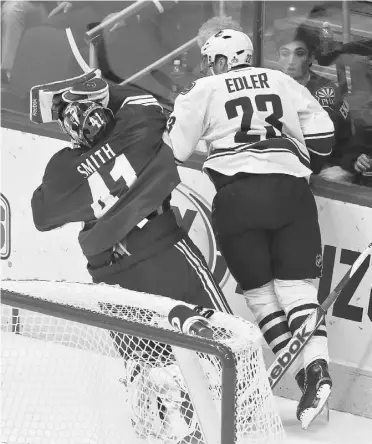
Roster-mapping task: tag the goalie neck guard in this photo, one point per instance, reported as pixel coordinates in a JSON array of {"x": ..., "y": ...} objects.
[{"x": 234, "y": 45}]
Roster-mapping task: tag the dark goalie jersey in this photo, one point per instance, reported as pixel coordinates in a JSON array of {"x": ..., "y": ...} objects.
[
  {"x": 113, "y": 186},
  {"x": 129, "y": 95},
  {"x": 329, "y": 97}
]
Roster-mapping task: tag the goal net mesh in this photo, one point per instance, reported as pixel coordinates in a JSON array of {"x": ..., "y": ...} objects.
[{"x": 67, "y": 382}]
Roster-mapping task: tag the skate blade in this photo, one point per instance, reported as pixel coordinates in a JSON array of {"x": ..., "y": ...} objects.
[
  {"x": 325, "y": 412},
  {"x": 309, "y": 414}
]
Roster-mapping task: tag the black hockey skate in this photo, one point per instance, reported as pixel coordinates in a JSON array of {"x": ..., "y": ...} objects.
[
  {"x": 315, "y": 392},
  {"x": 300, "y": 379}
]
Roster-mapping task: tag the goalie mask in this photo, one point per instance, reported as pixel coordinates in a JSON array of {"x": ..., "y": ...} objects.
[
  {"x": 234, "y": 45},
  {"x": 87, "y": 123}
]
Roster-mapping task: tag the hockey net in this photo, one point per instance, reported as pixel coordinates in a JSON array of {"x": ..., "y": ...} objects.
[{"x": 96, "y": 364}]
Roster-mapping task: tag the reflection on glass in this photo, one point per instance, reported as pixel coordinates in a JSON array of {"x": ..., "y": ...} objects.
[
  {"x": 44, "y": 42},
  {"x": 309, "y": 42},
  {"x": 38, "y": 48}
]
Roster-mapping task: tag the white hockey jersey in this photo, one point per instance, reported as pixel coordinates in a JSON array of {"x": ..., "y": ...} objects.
[{"x": 254, "y": 120}]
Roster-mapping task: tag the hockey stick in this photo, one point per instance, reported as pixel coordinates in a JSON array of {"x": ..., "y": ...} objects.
[
  {"x": 75, "y": 51},
  {"x": 303, "y": 334},
  {"x": 163, "y": 79}
]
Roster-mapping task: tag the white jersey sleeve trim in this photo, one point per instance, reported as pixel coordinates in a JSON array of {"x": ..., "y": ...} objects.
[
  {"x": 318, "y": 136},
  {"x": 254, "y": 156},
  {"x": 186, "y": 124},
  {"x": 320, "y": 153}
]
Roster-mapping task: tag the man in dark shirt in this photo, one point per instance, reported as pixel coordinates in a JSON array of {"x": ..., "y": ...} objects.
[{"x": 296, "y": 51}]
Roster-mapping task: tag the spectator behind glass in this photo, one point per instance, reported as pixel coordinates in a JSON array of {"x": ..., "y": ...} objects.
[
  {"x": 358, "y": 158},
  {"x": 16, "y": 17},
  {"x": 357, "y": 54},
  {"x": 296, "y": 49}
]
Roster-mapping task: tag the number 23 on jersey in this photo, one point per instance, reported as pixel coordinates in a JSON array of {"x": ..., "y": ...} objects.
[{"x": 261, "y": 101}]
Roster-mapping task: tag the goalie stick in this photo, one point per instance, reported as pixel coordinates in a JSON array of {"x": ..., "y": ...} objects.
[
  {"x": 163, "y": 79},
  {"x": 303, "y": 334}
]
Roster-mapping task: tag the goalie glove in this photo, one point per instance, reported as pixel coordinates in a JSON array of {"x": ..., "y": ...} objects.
[{"x": 46, "y": 102}]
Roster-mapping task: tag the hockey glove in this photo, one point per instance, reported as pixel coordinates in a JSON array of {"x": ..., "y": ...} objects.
[{"x": 46, "y": 101}]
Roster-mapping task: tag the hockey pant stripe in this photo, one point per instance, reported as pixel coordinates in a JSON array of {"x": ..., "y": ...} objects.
[{"x": 205, "y": 276}]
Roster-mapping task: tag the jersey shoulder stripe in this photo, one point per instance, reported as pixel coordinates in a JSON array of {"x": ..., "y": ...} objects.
[
  {"x": 319, "y": 135},
  {"x": 144, "y": 100}
]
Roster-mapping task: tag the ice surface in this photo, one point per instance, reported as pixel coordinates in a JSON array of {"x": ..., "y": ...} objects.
[{"x": 343, "y": 428}]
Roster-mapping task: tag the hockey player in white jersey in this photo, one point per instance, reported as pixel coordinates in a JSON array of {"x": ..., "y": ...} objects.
[{"x": 265, "y": 134}]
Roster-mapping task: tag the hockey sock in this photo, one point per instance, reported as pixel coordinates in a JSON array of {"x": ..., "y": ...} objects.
[
  {"x": 271, "y": 319},
  {"x": 298, "y": 298}
]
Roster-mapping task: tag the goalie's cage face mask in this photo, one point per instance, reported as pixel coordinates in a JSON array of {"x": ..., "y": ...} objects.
[{"x": 87, "y": 123}]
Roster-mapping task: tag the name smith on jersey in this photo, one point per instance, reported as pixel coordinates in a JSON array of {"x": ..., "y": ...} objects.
[{"x": 96, "y": 160}]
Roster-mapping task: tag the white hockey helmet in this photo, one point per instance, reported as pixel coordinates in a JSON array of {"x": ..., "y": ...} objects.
[{"x": 234, "y": 45}]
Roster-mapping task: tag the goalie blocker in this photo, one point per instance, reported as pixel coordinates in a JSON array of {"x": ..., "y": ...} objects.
[{"x": 46, "y": 100}]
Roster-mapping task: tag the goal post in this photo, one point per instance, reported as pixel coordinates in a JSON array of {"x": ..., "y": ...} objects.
[{"x": 79, "y": 359}]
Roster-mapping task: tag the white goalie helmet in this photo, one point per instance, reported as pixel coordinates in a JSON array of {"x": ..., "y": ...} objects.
[{"x": 234, "y": 45}]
